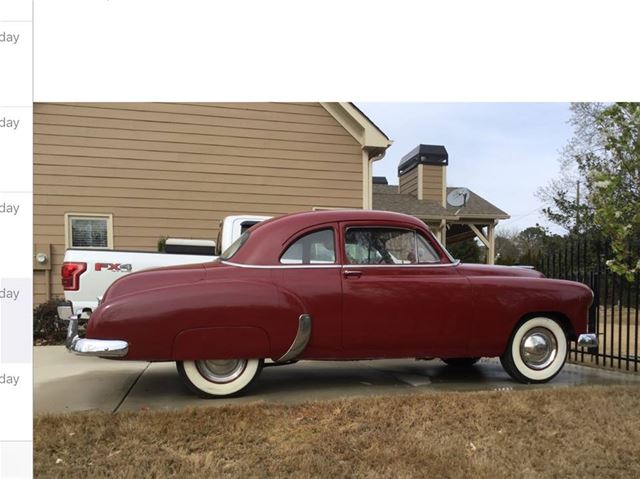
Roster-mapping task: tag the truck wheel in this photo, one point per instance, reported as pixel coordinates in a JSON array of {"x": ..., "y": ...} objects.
[
  {"x": 216, "y": 378},
  {"x": 536, "y": 351},
  {"x": 460, "y": 362}
]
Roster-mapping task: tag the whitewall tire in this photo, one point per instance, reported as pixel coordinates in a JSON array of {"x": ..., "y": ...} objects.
[
  {"x": 536, "y": 351},
  {"x": 219, "y": 378}
]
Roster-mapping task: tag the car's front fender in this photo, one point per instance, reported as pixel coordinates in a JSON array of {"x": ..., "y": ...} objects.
[{"x": 499, "y": 303}]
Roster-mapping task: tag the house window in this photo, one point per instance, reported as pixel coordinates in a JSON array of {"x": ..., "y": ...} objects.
[{"x": 89, "y": 231}]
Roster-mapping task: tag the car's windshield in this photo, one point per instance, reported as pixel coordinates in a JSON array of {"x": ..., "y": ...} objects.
[{"x": 235, "y": 246}]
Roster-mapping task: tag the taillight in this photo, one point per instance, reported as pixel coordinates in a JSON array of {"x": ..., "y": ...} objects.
[{"x": 71, "y": 275}]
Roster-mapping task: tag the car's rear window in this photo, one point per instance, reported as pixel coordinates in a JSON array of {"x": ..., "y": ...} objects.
[
  {"x": 317, "y": 247},
  {"x": 235, "y": 246}
]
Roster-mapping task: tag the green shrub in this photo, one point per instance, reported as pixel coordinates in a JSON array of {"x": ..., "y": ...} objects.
[
  {"x": 47, "y": 327},
  {"x": 162, "y": 244}
]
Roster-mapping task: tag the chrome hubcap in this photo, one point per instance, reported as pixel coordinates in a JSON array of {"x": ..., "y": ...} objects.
[
  {"x": 538, "y": 348},
  {"x": 221, "y": 370}
]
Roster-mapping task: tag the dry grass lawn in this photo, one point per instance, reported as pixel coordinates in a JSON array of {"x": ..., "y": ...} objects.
[{"x": 576, "y": 432}]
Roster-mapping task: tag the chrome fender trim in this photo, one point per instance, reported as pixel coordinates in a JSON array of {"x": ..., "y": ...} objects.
[
  {"x": 300, "y": 341},
  {"x": 103, "y": 348},
  {"x": 588, "y": 340}
]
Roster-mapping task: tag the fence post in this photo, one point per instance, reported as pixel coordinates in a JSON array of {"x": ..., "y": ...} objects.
[
  {"x": 597, "y": 291},
  {"x": 635, "y": 353}
]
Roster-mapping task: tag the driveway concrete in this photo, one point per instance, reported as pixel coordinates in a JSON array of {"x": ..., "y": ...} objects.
[{"x": 65, "y": 383}]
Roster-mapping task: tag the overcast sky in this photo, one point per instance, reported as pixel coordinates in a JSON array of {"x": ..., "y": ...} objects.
[{"x": 502, "y": 151}]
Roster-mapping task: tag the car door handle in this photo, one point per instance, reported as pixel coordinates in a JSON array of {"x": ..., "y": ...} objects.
[{"x": 350, "y": 273}]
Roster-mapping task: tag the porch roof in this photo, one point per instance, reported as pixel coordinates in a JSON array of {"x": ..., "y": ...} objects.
[{"x": 388, "y": 198}]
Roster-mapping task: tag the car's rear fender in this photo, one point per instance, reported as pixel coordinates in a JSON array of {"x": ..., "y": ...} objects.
[
  {"x": 235, "y": 317},
  {"x": 221, "y": 342}
]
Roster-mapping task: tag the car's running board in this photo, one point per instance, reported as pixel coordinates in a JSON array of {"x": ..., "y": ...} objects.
[{"x": 300, "y": 341}]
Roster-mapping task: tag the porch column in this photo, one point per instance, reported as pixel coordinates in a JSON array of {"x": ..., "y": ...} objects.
[
  {"x": 491, "y": 252},
  {"x": 443, "y": 232},
  {"x": 488, "y": 240}
]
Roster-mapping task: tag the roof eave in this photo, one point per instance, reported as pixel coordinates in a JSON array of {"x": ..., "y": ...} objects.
[
  {"x": 486, "y": 216},
  {"x": 438, "y": 217},
  {"x": 359, "y": 126}
]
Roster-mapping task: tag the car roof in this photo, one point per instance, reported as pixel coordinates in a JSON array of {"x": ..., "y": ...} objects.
[
  {"x": 308, "y": 218},
  {"x": 267, "y": 239}
]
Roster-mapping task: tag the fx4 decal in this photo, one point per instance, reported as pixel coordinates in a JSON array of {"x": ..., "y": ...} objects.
[{"x": 117, "y": 267}]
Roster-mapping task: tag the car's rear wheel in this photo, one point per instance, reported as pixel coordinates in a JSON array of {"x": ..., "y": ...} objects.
[
  {"x": 216, "y": 378},
  {"x": 536, "y": 352},
  {"x": 460, "y": 362}
]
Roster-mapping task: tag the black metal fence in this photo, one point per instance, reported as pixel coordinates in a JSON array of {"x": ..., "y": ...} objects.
[{"x": 614, "y": 313}]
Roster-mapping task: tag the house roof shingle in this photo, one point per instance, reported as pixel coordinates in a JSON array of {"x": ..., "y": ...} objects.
[
  {"x": 476, "y": 206},
  {"x": 387, "y": 198}
]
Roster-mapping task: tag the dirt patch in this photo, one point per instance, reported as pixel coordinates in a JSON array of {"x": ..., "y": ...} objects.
[{"x": 578, "y": 432}]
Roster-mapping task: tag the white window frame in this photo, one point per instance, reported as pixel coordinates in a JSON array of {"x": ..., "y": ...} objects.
[{"x": 68, "y": 217}]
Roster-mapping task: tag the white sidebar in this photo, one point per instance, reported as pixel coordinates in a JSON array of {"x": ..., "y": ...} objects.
[{"x": 16, "y": 251}]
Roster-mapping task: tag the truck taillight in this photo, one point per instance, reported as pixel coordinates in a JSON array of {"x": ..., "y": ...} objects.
[{"x": 71, "y": 275}]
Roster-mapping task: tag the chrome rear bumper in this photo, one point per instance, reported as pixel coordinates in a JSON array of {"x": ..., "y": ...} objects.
[
  {"x": 104, "y": 348},
  {"x": 589, "y": 340}
]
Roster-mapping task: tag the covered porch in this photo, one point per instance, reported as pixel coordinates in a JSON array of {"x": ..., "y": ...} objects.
[
  {"x": 477, "y": 219},
  {"x": 463, "y": 229}
]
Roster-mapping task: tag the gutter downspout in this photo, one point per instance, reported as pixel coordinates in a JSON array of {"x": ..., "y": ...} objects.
[{"x": 368, "y": 157}]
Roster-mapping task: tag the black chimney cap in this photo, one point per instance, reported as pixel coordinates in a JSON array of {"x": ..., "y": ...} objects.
[
  {"x": 380, "y": 180},
  {"x": 423, "y": 154}
]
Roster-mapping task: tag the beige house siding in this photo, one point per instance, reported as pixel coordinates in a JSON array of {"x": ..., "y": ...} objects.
[
  {"x": 409, "y": 182},
  {"x": 433, "y": 183},
  {"x": 427, "y": 182},
  {"x": 177, "y": 169}
]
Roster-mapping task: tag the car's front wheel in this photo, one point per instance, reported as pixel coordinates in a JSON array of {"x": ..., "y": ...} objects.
[
  {"x": 536, "y": 352},
  {"x": 216, "y": 378}
]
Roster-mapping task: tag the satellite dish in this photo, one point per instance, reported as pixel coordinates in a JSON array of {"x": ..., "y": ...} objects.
[{"x": 458, "y": 197}]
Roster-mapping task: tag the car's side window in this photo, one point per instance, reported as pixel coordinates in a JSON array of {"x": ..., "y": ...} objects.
[
  {"x": 380, "y": 246},
  {"x": 313, "y": 248},
  {"x": 387, "y": 246},
  {"x": 426, "y": 252}
]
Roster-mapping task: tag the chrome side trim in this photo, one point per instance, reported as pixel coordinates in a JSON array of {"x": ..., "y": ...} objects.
[
  {"x": 589, "y": 340},
  {"x": 300, "y": 341},
  {"x": 425, "y": 265},
  {"x": 104, "y": 348},
  {"x": 282, "y": 266},
  {"x": 324, "y": 266}
]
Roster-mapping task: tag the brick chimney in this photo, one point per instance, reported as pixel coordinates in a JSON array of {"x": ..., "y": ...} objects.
[{"x": 423, "y": 172}]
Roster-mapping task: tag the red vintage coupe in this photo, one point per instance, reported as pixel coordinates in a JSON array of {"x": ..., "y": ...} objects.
[{"x": 336, "y": 285}]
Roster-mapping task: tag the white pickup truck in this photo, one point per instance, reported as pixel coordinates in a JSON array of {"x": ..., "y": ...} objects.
[{"x": 87, "y": 273}]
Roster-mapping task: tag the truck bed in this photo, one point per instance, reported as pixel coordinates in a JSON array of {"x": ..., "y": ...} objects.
[{"x": 103, "y": 267}]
